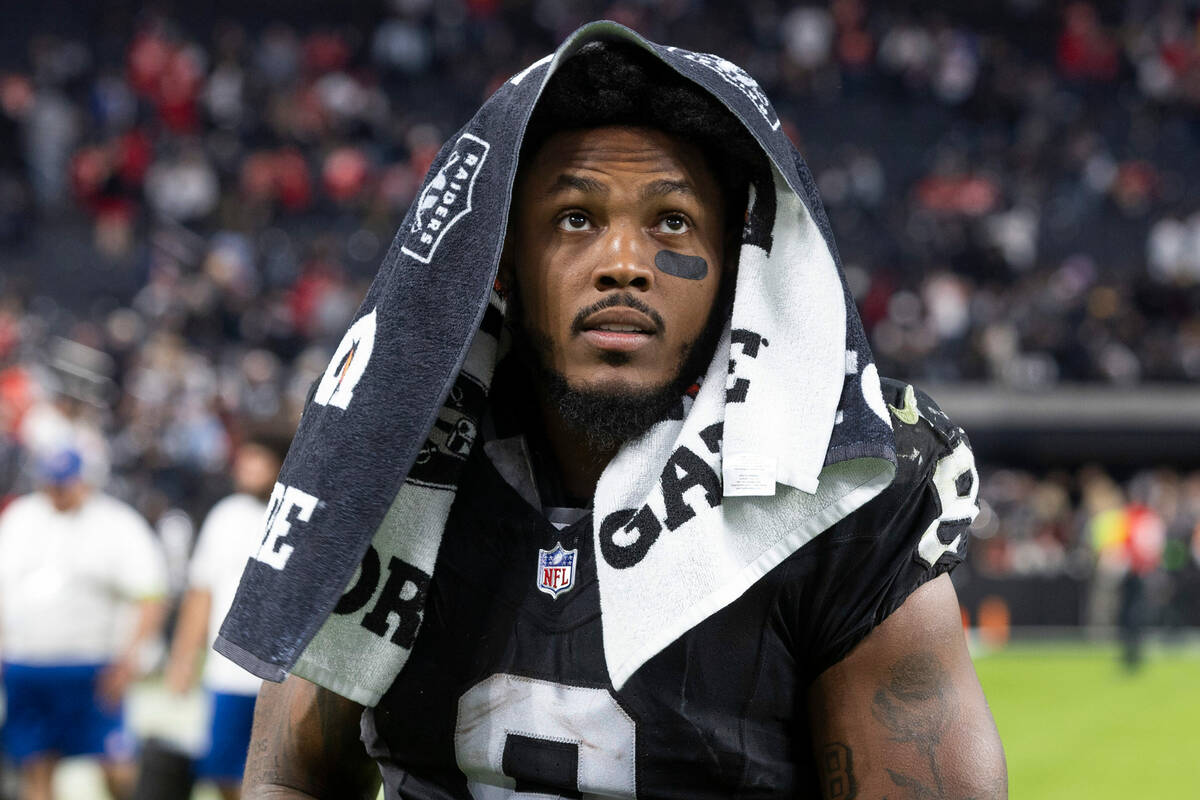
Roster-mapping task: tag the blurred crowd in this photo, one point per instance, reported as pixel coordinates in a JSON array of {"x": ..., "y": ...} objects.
[
  {"x": 191, "y": 207},
  {"x": 1065, "y": 522},
  {"x": 1128, "y": 551}
]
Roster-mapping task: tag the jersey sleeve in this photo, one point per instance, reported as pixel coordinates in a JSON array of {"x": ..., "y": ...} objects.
[{"x": 866, "y": 566}]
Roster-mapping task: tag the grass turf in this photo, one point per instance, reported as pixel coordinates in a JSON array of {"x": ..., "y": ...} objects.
[{"x": 1077, "y": 725}]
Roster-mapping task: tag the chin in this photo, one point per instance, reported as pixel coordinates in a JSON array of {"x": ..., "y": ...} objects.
[{"x": 618, "y": 382}]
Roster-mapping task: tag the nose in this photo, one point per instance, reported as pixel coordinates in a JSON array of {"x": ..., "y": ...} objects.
[{"x": 625, "y": 260}]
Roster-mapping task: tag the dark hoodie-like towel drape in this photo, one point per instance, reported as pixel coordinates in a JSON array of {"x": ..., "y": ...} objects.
[{"x": 787, "y": 435}]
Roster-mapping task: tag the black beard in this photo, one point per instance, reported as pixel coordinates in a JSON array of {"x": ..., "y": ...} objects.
[{"x": 607, "y": 418}]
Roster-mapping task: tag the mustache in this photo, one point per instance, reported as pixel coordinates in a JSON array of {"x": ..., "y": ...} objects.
[{"x": 612, "y": 301}]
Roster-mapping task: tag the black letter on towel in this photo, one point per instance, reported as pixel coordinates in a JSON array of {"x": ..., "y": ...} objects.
[
  {"x": 711, "y": 436},
  {"x": 750, "y": 341},
  {"x": 359, "y": 595},
  {"x": 392, "y": 601},
  {"x": 695, "y": 473},
  {"x": 623, "y": 556}
]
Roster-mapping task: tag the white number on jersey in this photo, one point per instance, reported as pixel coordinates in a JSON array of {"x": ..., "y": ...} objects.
[
  {"x": 506, "y": 723},
  {"x": 957, "y": 485}
]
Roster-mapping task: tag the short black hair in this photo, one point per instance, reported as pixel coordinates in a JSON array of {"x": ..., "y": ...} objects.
[{"x": 617, "y": 83}]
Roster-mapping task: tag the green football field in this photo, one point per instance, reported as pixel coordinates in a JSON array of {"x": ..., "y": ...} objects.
[{"x": 1074, "y": 724}]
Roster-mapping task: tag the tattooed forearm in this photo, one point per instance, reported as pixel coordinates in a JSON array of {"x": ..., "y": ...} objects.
[
  {"x": 305, "y": 745},
  {"x": 837, "y": 772},
  {"x": 915, "y": 705}
]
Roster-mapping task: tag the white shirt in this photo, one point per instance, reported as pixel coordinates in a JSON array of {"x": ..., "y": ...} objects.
[
  {"x": 231, "y": 534},
  {"x": 68, "y": 579}
]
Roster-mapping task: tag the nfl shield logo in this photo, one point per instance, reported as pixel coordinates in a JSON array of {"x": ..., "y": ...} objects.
[{"x": 556, "y": 570}]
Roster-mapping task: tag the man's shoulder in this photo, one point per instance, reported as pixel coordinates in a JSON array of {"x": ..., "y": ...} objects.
[
  {"x": 24, "y": 503},
  {"x": 915, "y": 413},
  {"x": 25, "y": 507},
  {"x": 924, "y": 433},
  {"x": 115, "y": 511},
  {"x": 928, "y": 445},
  {"x": 237, "y": 506},
  {"x": 232, "y": 525},
  {"x": 863, "y": 568}
]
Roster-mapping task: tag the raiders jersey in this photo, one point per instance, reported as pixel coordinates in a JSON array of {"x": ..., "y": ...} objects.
[{"x": 506, "y": 694}]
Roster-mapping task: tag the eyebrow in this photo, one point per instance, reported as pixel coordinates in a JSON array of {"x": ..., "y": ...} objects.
[
  {"x": 661, "y": 188},
  {"x": 567, "y": 182}
]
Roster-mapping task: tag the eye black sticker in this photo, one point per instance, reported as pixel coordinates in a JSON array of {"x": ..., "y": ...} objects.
[{"x": 693, "y": 268}]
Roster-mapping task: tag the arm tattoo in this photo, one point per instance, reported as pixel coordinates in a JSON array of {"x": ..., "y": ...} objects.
[
  {"x": 305, "y": 744},
  {"x": 916, "y": 705},
  {"x": 837, "y": 772}
]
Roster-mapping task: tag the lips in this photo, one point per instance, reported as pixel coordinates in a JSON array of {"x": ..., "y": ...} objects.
[
  {"x": 620, "y": 320},
  {"x": 618, "y": 330}
]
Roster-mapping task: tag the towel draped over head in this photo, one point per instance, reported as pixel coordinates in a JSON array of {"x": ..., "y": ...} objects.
[{"x": 787, "y": 434}]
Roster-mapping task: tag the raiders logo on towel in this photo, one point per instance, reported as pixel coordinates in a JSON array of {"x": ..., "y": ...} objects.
[{"x": 446, "y": 198}]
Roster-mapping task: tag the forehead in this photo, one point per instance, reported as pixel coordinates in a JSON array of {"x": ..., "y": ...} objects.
[{"x": 617, "y": 155}]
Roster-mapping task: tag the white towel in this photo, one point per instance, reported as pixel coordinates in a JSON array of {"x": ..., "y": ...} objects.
[{"x": 777, "y": 392}]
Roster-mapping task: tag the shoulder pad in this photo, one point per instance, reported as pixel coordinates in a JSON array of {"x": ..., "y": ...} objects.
[{"x": 909, "y": 405}]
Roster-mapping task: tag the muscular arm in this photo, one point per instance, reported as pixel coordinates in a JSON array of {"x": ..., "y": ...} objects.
[
  {"x": 305, "y": 746},
  {"x": 903, "y": 717}
]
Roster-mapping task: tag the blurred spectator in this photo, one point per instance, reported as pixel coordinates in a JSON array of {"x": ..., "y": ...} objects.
[
  {"x": 230, "y": 535},
  {"x": 1085, "y": 48},
  {"x": 73, "y": 562},
  {"x": 1130, "y": 541}
]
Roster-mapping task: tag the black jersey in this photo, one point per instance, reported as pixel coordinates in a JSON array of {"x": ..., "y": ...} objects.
[{"x": 506, "y": 693}]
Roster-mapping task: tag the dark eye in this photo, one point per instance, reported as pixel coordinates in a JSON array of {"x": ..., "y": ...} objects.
[
  {"x": 574, "y": 221},
  {"x": 673, "y": 223}
]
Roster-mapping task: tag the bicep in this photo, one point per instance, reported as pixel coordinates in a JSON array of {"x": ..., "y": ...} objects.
[
  {"x": 904, "y": 714},
  {"x": 305, "y": 743}
]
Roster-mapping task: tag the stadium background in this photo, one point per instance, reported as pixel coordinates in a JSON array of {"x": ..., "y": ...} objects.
[{"x": 194, "y": 198}]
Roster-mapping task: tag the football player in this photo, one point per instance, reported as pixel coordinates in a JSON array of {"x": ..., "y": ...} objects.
[{"x": 841, "y": 673}]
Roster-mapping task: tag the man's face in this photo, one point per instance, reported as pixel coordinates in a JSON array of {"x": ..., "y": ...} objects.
[
  {"x": 254, "y": 470},
  {"x": 618, "y": 245},
  {"x": 66, "y": 496}
]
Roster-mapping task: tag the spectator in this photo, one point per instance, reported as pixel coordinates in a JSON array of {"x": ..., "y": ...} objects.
[
  {"x": 230, "y": 535},
  {"x": 71, "y": 561}
]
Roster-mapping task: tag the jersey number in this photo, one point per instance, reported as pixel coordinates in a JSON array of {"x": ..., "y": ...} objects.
[
  {"x": 957, "y": 485},
  {"x": 524, "y": 738}
]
